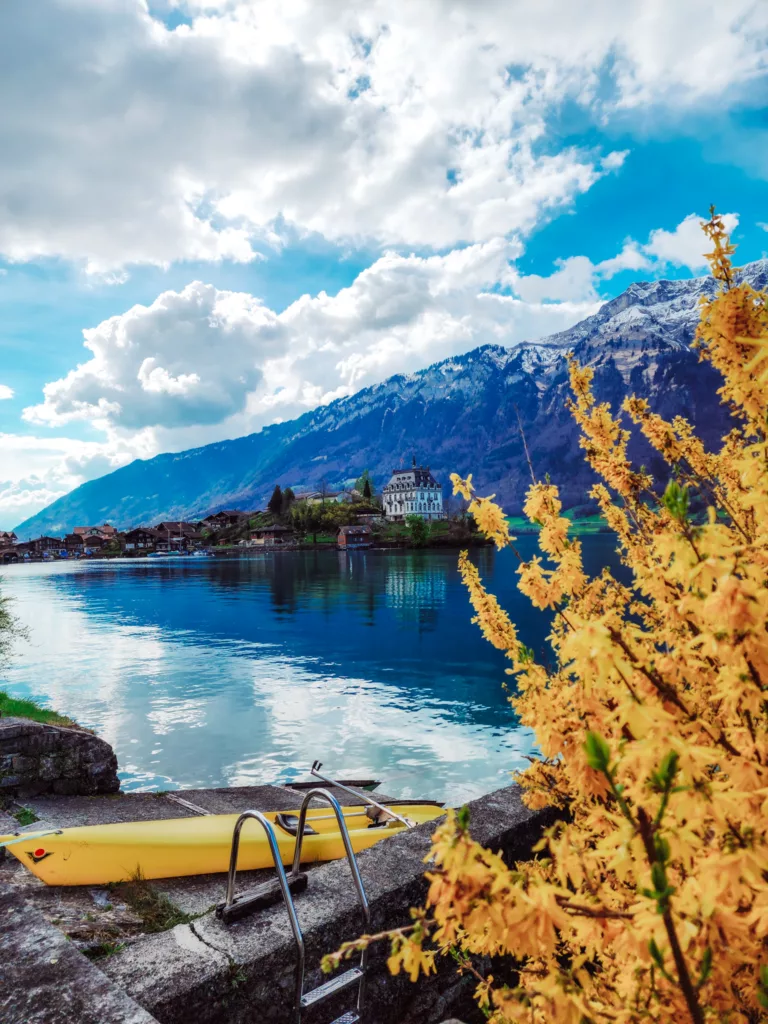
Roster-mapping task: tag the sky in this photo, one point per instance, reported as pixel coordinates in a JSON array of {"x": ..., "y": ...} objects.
[{"x": 218, "y": 214}]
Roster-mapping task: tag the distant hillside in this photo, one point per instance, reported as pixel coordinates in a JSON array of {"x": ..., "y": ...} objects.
[{"x": 457, "y": 415}]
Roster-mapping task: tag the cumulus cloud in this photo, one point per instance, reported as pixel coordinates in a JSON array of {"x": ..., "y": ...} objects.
[
  {"x": 127, "y": 142},
  {"x": 202, "y": 363},
  {"x": 191, "y": 357},
  {"x": 6, "y": 392},
  {"x": 686, "y": 245}
]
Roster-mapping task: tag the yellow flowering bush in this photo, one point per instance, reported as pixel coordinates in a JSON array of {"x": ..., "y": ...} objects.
[{"x": 649, "y": 900}]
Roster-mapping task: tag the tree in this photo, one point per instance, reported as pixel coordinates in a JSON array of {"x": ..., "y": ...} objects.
[
  {"x": 275, "y": 504},
  {"x": 9, "y": 628},
  {"x": 307, "y": 518},
  {"x": 418, "y": 529},
  {"x": 647, "y": 900},
  {"x": 334, "y": 516},
  {"x": 364, "y": 484},
  {"x": 287, "y": 500}
]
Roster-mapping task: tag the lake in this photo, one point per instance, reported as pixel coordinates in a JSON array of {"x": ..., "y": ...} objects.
[{"x": 242, "y": 671}]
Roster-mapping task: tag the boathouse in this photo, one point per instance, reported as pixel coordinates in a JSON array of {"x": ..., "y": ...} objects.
[{"x": 357, "y": 536}]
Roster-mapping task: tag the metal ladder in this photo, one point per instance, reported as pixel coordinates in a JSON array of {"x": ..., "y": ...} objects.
[{"x": 236, "y": 907}]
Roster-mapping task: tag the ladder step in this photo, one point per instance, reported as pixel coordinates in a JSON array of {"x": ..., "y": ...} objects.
[
  {"x": 330, "y": 988},
  {"x": 259, "y": 897},
  {"x": 350, "y": 1017}
]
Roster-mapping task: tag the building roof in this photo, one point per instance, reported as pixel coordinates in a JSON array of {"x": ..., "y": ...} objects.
[
  {"x": 416, "y": 476},
  {"x": 357, "y": 528}
]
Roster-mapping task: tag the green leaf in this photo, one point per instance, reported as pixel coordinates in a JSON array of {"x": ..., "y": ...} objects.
[
  {"x": 598, "y": 752},
  {"x": 656, "y": 954},
  {"x": 706, "y": 967},
  {"x": 668, "y": 768},
  {"x": 662, "y": 848},
  {"x": 676, "y": 501},
  {"x": 462, "y": 818}
]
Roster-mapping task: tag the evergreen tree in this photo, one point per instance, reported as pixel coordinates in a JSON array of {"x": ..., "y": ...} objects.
[
  {"x": 288, "y": 499},
  {"x": 275, "y": 505},
  {"x": 363, "y": 481}
]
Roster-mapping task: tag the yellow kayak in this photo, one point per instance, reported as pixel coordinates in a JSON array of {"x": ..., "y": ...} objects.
[{"x": 102, "y": 854}]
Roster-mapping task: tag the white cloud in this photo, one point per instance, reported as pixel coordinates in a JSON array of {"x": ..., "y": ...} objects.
[
  {"x": 36, "y": 471},
  {"x": 631, "y": 257},
  {"x": 202, "y": 364},
  {"x": 686, "y": 245},
  {"x": 6, "y": 392},
  {"x": 577, "y": 278},
  {"x": 423, "y": 125},
  {"x": 574, "y": 280}
]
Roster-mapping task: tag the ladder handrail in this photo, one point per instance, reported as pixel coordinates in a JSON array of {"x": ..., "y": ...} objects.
[
  {"x": 323, "y": 794},
  {"x": 266, "y": 824}
]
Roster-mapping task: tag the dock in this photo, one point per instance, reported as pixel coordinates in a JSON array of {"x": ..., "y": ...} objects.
[{"x": 82, "y": 954}]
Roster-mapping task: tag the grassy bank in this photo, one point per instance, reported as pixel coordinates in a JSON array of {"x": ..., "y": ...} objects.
[
  {"x": 580, "y": 526},
  {"x": 14, "y": 707}
]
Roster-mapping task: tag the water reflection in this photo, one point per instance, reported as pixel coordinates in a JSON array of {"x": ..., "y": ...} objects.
[{"x": 228, "y": 672}]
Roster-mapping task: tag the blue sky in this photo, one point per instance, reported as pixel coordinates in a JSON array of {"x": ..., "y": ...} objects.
[{"x": 253, "y": 208}]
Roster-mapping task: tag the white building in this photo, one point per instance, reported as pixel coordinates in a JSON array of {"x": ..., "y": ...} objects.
[{"x": 413, "y": 492}]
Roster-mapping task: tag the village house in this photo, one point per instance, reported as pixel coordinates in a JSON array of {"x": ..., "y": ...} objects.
[
  {"x": 323, "y": 498},
  {"x": 8, "y": 538},
  {"x": 140, "y": 539},
  {"x": 73, "y": 544},
  {"x": 357, "y": 536},
  {"x": 413, "y": 492},
  {"x": 94, "y": 543},
  {"x": 220, "y": 520},
  {"x": 271, "y": 536},
  {"x": 180, "y": 536},
  {"x": 104, "y": 531},
  {"x": 47, "y": 546}
]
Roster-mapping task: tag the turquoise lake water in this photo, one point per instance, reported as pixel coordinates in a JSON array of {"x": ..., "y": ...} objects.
[{"x": 212, "y": 672}]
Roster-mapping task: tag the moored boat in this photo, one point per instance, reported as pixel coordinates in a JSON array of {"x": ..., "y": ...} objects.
[{"x": 104, "y": 854}]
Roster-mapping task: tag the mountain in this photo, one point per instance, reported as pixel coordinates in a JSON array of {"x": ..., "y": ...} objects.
[{"x": 457, "y": 415}]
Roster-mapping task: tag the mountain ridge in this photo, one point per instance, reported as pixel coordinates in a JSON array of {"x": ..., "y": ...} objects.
[{"x": 459, "y": 414}]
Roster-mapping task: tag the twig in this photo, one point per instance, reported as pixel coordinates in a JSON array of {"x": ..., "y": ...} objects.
[{"x": 525, "y": 445}]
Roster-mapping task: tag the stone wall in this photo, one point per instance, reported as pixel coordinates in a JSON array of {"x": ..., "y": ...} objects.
[{"x": 36, "y": 758}]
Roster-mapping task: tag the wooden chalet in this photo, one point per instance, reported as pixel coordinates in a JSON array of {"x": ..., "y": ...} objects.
[
  {"x": 220, "y": 520},
  {"x": 271, "y": 536},
  {"x": 141, "y": 538}
]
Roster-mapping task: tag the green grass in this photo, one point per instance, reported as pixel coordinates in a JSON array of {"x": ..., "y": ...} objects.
[
  {"x": 579, "y": 527},
  {"x": 25, "y": 817},
  {"x": 13, "y": 707},
  {"x": 104, "y": 949},
  {"x": 154, "y": 908}
]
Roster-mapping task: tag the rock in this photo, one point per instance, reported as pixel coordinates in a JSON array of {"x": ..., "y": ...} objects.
[{"x": 36, "y": 758}]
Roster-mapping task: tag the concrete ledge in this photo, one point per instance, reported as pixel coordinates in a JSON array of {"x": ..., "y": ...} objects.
[
  {"x": 44, "y": 980},
  {"x": 209, "y": 972}
]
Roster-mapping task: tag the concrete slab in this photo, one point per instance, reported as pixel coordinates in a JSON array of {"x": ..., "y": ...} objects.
[
  {"x": 71, "y": 811},
  {"x": 245, "y": 972},
  {"x": 44, "y": 980}
]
